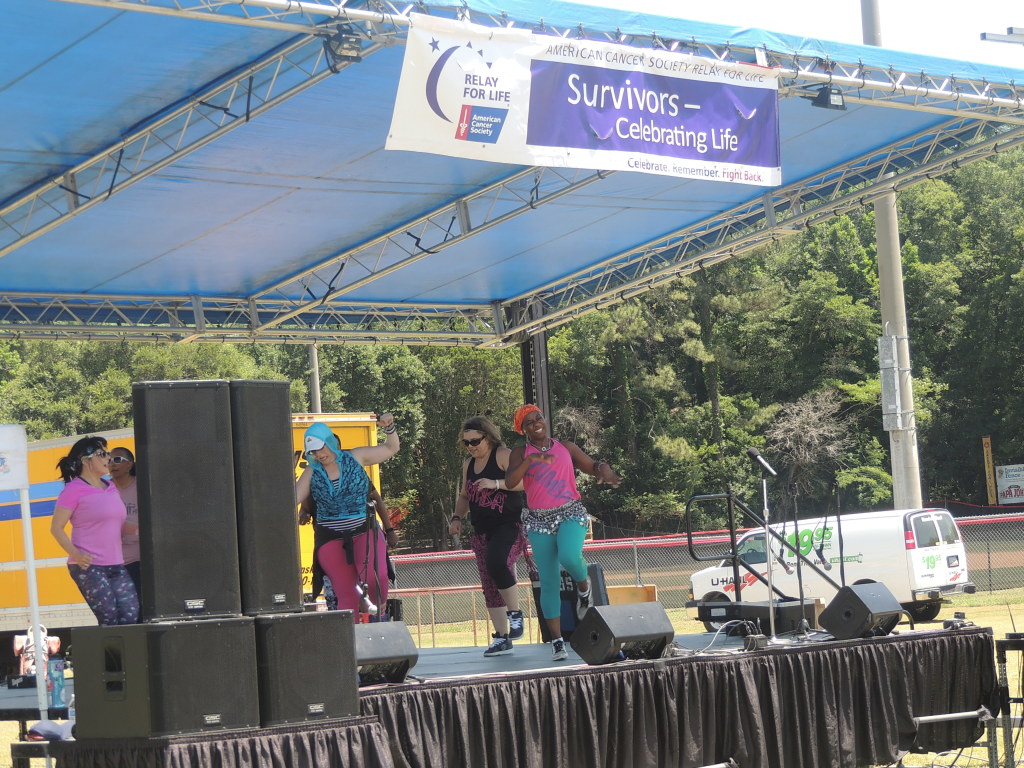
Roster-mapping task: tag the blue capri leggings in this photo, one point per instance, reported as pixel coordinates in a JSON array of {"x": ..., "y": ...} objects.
[
  {"x": 563, "y": 547},
  {"x": 109, "y": 591}
]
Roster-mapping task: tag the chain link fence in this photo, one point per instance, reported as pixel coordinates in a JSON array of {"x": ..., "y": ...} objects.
[{"x": 443, "y": 604}]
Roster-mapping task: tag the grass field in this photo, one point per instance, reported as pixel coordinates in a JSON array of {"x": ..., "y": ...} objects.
[{"x": 1002, "y": 611}]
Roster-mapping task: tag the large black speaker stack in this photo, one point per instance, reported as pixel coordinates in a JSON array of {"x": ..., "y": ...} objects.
[{"x": 217, "y": 528}]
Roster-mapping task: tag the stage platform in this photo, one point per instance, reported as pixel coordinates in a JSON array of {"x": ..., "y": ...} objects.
[
  {"x": 807, "y": 704},
  {"x": 460, "y": 663}
]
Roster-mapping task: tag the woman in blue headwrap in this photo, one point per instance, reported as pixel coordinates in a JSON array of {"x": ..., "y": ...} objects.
[{"x": 349, "y": 546}]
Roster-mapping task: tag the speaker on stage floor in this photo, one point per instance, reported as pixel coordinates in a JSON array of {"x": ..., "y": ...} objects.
[
  {"x": 385, "y": 652},
  {"x": 187, "y": 532},
  {"x": 268, "y": 537},
  {"x": 861, "y": 610},
  {"x": 306, "y": 665},
  {"x": 145, "y": 680},
  {"x": 634, "y": 631}
]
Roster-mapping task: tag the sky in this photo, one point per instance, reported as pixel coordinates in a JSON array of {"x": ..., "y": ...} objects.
[{"x": 949, "y": 28}]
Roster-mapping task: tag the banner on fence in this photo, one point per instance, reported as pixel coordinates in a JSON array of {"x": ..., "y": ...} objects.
[
  {"x": 510, "y": 96},
  {"x": 1010, "y": 484}
]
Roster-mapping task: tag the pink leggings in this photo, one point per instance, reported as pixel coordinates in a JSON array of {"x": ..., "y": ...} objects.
[{"x": 371, "y": 568}]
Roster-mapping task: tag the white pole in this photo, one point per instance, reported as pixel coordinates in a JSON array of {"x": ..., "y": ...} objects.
[
  {"x": 14, "y": 476},
  {"x": 33, "y": 602},
  {"x": 906, "y": 475},
  {"x": 314, "y": 380}
]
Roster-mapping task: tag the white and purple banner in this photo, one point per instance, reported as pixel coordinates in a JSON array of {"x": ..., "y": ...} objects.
[{"x": 509, "y": 96}]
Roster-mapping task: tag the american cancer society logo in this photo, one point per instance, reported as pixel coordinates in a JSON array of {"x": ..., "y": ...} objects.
[{"x": 463, "y": 81}]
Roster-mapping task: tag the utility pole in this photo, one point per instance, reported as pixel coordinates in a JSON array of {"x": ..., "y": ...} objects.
[
  {"x": 314, "y": 380},
  {"x": 898, "y": 401}
]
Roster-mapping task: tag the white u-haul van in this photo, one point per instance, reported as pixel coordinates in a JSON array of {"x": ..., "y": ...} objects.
[{"x": 917, "y": 553}]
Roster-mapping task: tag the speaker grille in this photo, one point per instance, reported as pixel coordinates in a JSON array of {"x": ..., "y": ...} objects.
[
  {"x": 634, "y": 631},
  {"x": 306, "y": 666},
  {"x": 385, "y": 652},
  {"x": 187, "y": 533},
  {"x": 149, "y": 680},
  {"x": 861, "y": 610},
  {"x": 268, "y": 538}
]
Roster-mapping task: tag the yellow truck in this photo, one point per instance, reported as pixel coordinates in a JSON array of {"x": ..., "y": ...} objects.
[{"x": 61, "y": 605}]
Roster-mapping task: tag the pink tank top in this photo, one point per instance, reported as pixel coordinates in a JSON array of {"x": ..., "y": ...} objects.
[{"x": 550, "y": 485}]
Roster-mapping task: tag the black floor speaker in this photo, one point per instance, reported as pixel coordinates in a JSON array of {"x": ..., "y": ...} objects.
[
  {"x": 633, "y": 631},
  {"x": 306, "y": 666},
  {"x": 145, "y": 680},
  {"x": 268, "y": 534},
  {"x": 187, "y": 532},
  {"x": 385, "y": 652},
  {"x": 861, "y": 610}
]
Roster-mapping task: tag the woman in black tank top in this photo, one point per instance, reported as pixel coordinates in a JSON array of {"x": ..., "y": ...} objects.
[{"x": 497, "y": 541}]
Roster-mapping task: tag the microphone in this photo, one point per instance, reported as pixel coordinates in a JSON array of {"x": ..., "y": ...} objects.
[
  {"x": 821, "y": 556},
  {"x": 759, "y": 459},
  {"x": 364, "y": 599},
  {"x": 782, "y": 561}
]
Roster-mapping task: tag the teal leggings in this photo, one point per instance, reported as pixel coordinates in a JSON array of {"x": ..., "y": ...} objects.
[{"x": 564, "y": 547}]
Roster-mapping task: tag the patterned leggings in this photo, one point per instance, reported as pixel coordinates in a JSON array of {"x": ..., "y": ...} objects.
[
  {"x": 496, "y": 555},
  {"x": 109, "y": 591}
]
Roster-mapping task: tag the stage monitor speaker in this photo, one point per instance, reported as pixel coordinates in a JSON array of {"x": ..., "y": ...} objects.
[
  {"x": 268, "y": 533},
  {"x": 633, "y": 631},
  {"x": 385, "y": 652},
  {"x": 145, "y": 680},
  {"x": 861, "y": 610},
  {"x": 306, "y": 665},
  {"x": 187, "y": 532}
]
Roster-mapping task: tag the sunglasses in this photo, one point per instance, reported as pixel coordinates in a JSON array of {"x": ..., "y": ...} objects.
[
  {"x": 473, "y": 443},
  {"x": 119, "y": 459}
]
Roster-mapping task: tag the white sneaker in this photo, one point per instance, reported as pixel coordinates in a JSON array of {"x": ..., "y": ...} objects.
[
  {"x": 558, "y": 652},
  {"x": 583, "y": 601}
]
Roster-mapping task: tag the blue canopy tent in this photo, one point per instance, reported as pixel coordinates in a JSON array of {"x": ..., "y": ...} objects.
[{"x": 203, "y": 170}]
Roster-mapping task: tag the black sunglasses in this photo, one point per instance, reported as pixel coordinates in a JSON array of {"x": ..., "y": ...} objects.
[{"x": 473, "y": 443}]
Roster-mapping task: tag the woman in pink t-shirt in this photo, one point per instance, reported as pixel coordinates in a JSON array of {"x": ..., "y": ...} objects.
[
  {"x": 93, "y": 507},
  {"x": 556, "y": 523}
]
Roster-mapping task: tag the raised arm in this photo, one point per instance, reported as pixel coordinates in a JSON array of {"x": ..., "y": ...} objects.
[
  {"x": 599, "y": 468},
  {"x": 376, "y": 454}
]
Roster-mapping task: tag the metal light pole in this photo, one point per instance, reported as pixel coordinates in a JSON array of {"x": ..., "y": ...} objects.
[
  {"x": 899, "y": 421},
  {"x": 314, "y": 380}
]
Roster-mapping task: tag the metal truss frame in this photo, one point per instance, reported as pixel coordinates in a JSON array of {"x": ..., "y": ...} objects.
[
  {"x": 778, "y": 213},
  {"x": 310, "y": 307}
]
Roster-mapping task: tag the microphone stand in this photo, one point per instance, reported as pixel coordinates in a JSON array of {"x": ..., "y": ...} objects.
[
  {"x": 768, "y": 550},
  {"x": 804, "y": 626}
]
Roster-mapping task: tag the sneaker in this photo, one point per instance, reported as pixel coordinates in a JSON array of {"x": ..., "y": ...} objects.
[
  {"x": 516, "y": 626},
  {"x": 583, "y": 603},
  {"x": 558, "y": 652},
  {"x": 500, "y": 646}
]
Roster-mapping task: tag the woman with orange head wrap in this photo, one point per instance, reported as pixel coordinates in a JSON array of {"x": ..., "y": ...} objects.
[{"x": 556, "y": 522}]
